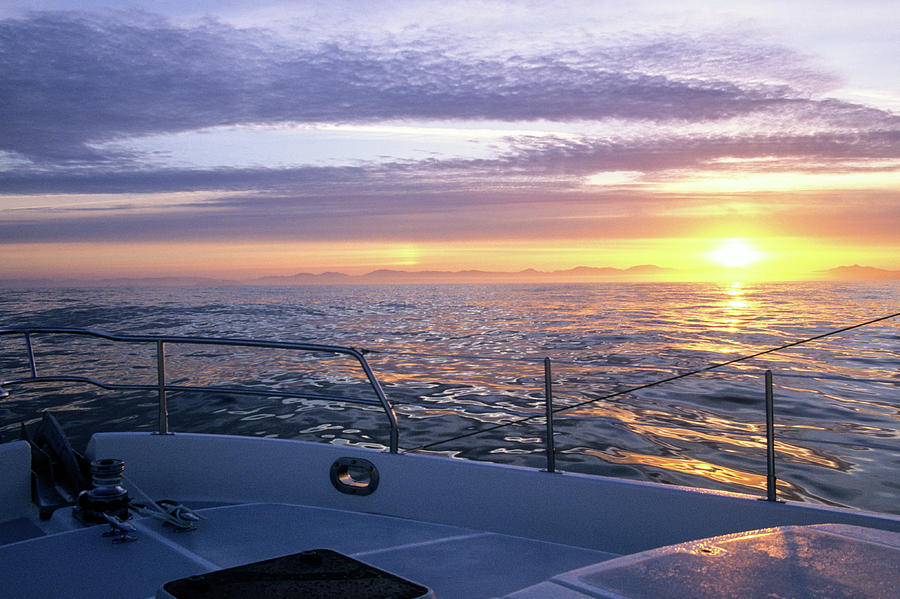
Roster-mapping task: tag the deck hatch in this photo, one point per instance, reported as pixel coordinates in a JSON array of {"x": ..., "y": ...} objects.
[{"x": 315, "y": 574}]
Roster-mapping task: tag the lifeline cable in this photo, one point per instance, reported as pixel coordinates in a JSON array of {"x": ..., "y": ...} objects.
[{"x": 653, "y": 384}]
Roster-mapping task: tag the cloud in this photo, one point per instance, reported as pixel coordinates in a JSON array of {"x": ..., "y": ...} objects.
[
  {"x": 533, "y": 164},
  {"x": 136, "y": 180},
  {"x": 71, "y": 79},
  {"x": 435, "y": 211}
]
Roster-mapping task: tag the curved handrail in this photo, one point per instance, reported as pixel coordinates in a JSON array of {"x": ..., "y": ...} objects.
[{"x": 162, "y": 387}]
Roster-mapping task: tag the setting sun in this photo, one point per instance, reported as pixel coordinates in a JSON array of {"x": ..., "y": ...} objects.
[{"x": 735, "y": 253}]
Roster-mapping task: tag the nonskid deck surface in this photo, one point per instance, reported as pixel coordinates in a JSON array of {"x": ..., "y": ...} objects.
[{"x": 452, "y": 561}]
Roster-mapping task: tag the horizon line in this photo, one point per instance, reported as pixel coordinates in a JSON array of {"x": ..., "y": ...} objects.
[{"x": 644, "y": 273}]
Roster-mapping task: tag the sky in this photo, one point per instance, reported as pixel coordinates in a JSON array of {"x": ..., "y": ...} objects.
[{"x": 241, "y": 139}]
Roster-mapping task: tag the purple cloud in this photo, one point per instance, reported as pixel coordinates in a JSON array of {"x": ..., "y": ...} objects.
[{"x": 69, "y": 79}]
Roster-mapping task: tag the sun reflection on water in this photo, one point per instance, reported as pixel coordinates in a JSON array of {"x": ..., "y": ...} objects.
[
  {"x": 736, "y": 293},
  {"x": 737, "y": 307},
  {"x": 686, "y": 465}
]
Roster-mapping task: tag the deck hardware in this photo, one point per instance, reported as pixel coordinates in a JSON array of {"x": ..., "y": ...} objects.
[
  {"x": 354, "y": 476},
  {"x": 394, "y": 440},
  {"x": 30, "y": 351},
  {"x": 161, "y": 387},
  {"x": 771, "y": 490},
  {"x": 108, "y": 498},
  {"x": 179, "y": 516},
  {"x": 548, "y": 396},
  {"x": 163, "y": 427},
  {"x": 119, "y": 530}
]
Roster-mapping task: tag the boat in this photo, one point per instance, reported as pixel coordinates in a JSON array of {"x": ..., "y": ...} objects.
[{"x": 188, "y": 516}]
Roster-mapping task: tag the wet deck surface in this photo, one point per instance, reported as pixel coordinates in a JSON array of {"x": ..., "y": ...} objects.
[{"x": 798, "y": 562}]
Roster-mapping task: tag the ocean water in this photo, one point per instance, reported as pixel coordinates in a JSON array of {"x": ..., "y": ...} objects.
[{"x": 458, "y": 359}]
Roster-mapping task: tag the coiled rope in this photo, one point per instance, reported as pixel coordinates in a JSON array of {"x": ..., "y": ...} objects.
[{"x": 653, "y": 384}]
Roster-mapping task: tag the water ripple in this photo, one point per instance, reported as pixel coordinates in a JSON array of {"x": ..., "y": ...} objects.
[{"x": 458, "y": 359}]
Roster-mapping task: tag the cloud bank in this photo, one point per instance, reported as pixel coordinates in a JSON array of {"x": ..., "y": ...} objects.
[{"x": 71, "y": 80}]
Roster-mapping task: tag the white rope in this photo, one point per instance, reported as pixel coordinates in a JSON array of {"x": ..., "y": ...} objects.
[{"x": 178, "y": 515}]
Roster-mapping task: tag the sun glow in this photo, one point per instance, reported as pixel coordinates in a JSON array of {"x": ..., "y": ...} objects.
[{"x": 735, "y": 253}]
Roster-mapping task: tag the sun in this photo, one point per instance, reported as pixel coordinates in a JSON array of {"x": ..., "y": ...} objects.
[{"x": 735, "y": 253}]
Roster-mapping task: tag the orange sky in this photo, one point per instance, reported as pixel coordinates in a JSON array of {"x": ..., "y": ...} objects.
[{"x": 694, "y": 259}]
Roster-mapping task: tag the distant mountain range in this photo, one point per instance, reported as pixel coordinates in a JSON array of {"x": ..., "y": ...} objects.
[
  {"x": 583, "y": 274},
  {"x": 861, "y": 273},
  {"x": 384, "y": 276}
]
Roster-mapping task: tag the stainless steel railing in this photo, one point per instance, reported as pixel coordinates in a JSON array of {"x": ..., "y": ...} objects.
[
  {"x": 551, "y": 410},
  {"x": 162, "y": 387},
  {"x": 771, "y": 481}
]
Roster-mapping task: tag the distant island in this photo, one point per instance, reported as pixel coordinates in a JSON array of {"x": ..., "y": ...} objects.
[
  {"x": 579, "y": 274},
  {"x": 385, "y": 276},
  {"x": 861, "y": 273}
]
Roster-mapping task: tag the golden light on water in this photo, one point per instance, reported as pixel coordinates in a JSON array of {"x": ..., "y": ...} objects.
[
  {"x": 684, "y": 465},
  {"x": 729, "y": 437},
  {"x": 736, "y": 301},
  {"x": 736, "y": 308}
]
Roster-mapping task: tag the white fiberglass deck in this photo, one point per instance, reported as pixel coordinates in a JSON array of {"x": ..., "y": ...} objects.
[
  {"x": 463, "y": 529},
  {"x": 452, "y": 561}
]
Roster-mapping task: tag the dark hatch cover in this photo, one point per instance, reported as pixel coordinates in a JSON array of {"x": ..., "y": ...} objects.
[{"x": 315, "y": 574}]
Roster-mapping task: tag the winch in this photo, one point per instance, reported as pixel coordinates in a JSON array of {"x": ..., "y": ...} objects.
[{"x": 108, "y": 496}]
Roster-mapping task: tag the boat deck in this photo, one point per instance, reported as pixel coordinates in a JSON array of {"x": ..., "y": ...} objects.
[
  {"x": 461, "y": 529},
  {"x": 450, "y": 560}
]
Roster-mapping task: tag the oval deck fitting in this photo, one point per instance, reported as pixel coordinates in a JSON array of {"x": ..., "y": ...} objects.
[{"x": 354, "y": 476}]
